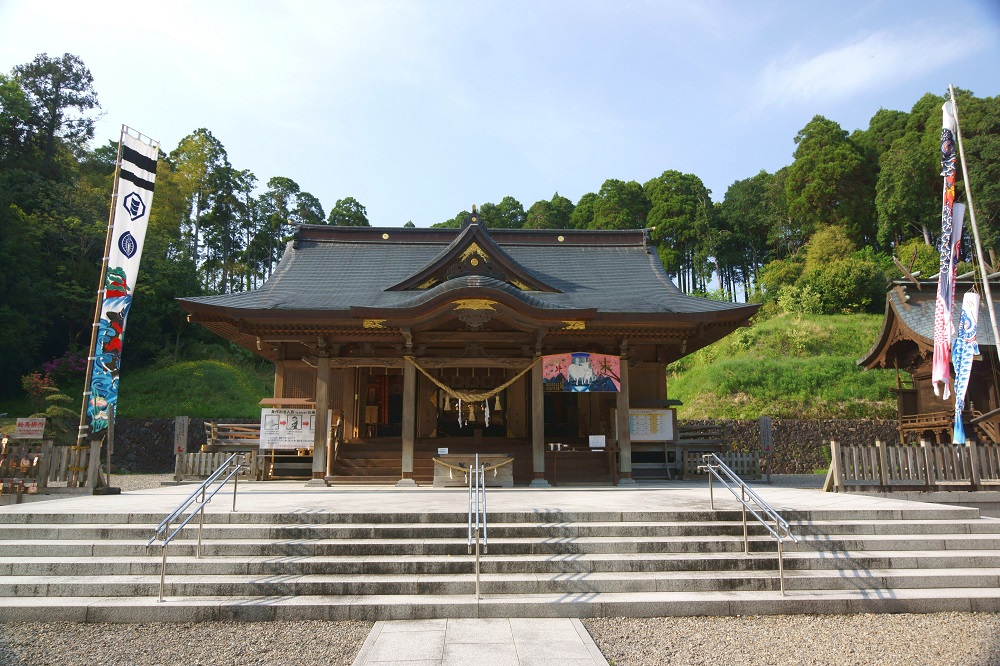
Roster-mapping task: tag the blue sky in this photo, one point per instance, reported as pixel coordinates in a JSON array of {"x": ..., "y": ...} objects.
[{"x": 420, "y": 109}]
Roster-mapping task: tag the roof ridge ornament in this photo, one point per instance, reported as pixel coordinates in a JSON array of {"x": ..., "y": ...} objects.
[{"x": 473, "y": 252}]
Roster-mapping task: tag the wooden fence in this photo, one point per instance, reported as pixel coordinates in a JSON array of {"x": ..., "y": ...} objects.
[
  {"x": 198, "y": 466},
  {"x": 745, "y": 464},
  {"x": 923, "y": 466},
  {"x": 36, "y": 466}
]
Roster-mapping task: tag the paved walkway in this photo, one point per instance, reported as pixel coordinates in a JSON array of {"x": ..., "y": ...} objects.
[
  {"x": 295, "y": 496},
  {"x": 496, "y": 642}
]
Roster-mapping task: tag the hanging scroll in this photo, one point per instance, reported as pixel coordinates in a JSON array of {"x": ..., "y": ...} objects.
[{"x": 581, "y": 372}]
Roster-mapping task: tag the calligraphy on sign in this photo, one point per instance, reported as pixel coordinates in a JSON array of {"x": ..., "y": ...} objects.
[
  {"x": 30, "y": 428},
  {"x": 581, "y": 372}
]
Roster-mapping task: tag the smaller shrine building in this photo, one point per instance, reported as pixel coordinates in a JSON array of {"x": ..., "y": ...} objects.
[{"x": 906, "y": 343}]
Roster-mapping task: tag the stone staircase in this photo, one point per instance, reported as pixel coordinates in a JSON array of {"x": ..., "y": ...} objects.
[{"x": 324, "y": 565}]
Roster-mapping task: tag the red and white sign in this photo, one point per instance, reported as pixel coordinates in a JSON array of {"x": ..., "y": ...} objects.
[{"x": 31, "y": 428}]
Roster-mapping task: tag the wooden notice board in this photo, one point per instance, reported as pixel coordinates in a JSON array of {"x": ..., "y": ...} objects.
[{"x": 652, "y": 425}]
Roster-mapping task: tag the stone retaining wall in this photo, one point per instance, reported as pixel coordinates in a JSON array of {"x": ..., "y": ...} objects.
[
  {"x": 801, "y": 446},
  {"x": 147, "y": 445}
]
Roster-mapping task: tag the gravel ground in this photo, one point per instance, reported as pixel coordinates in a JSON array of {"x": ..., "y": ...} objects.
[
  {"x": 216, "y": 643},
  {"x": 939, "y": 639},
  {"x": 942, "y": 639}
]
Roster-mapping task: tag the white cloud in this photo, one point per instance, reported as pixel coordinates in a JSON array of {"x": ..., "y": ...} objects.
[{"x": 875, "y": 60}]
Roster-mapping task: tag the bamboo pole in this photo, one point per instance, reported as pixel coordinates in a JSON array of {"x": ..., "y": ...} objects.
[
  {"x": 972, "y": 217},
  {"x": 84, "y": 429}
]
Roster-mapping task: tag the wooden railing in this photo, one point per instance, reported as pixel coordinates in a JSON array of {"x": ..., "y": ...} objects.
[
  {"x": 711, "y": 436},
  {"x": 925, "y": 466},
  {"x": 231, "y": 437}
]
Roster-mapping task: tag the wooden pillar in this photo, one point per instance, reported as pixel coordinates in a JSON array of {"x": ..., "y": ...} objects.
[
  {"x": 409, "y": 421},
  {"x": 350, "y": 403},
  {"x": 279, "y": 372},
  {"x": 322, "y": 418},
  {"x": 537, "y": 426},
  {"x": 624, "y": 438}
]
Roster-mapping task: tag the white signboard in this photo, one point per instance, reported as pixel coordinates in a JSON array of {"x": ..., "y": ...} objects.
[
  {"x": 598, "y": 441},
  {"x": 652, "y": 425},
  {"x": 287, "y": 428},
  {"x": 30, "y": 428}
]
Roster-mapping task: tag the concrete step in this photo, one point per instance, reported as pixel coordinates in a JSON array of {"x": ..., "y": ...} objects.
[
  {"x": 494, "y": 584},
  {"x": 366, "y": 478},
  {"x": 315, "y": 545},
  {"x": 597, "y": 529},
  {"x": 651, "y": 563},
  {"x": 400, "y": 607}
]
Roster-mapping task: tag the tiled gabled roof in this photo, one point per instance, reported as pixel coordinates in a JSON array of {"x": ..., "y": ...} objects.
[
  {"x": 913, "y": 309},
  {"x": 332, "y": 269}
]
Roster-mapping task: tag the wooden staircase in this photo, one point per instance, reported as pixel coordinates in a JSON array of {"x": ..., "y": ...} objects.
[
  {"x": 373, "y": 461},
  {"x": 379, "y": 461}
]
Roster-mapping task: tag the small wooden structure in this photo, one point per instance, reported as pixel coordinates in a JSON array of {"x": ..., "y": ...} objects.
[
  {"x": 906, "y": 343},
  {"x": 32, "y": 467}
]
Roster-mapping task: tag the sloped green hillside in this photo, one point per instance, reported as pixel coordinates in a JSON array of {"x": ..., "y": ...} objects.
[
  {"x": 207, "y": 388},
  {"x": 789, "y": 366}
]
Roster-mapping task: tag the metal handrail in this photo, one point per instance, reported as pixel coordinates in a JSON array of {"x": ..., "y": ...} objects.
[
  {"x": 713, "y": 464},
  {"x": 477, "y": 512},
  {"x": 216, "y": 479}
]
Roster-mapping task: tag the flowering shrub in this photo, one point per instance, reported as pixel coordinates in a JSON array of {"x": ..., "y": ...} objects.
[
  {"x": 70, "y": 366},
  {"x": 38, "y": 387}
]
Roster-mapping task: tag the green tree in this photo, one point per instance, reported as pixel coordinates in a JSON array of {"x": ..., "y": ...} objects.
[
  {"x": 746, "y": 214},
  {"x": 680, "y": 213},
  {"x": 553, "y": 214},
  {"x": 61, "y": 93},
  {"x": 348, "y": 212},
  {"x": 308, "y": 209},
  {"x": 829, "y": 182},
  {"x": 510, "y": 213},
  {"x": 454, "y": 223},
  {"x": 15, "y": 121},
  {"x": 906, "y": 191},
  {"x": 979, "y": 120},
  {"x": 583, "y": 214},
  {"x": 620, "y": 205},
  {"x": 196, "y": 158},
  {"x": 830, "y": 243}
]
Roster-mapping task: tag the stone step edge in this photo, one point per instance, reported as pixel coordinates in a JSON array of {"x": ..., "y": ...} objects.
[
  {"x": 988, "y": 526},
  {"x": 456, "y": 517},
  {"x": 838, "y": 555},
  {"x": 141, "y": 579},
  {"x": 389, "y": 607}
]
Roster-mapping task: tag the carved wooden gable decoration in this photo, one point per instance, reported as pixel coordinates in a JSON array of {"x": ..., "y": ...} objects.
[{"x": 473, "y": 252}]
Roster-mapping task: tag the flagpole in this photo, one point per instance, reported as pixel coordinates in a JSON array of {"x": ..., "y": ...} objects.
[
  {"x": 84, "y": 429},
  {"x": 972, "y": 216}
]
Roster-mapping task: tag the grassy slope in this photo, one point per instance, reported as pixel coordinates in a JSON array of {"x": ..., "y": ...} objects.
[
  {"x": 790, "y": 366},
  {"x": 208, "y": 389}
]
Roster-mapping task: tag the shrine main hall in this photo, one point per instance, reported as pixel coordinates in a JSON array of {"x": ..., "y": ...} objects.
[{"x": 533, "y": 345}]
